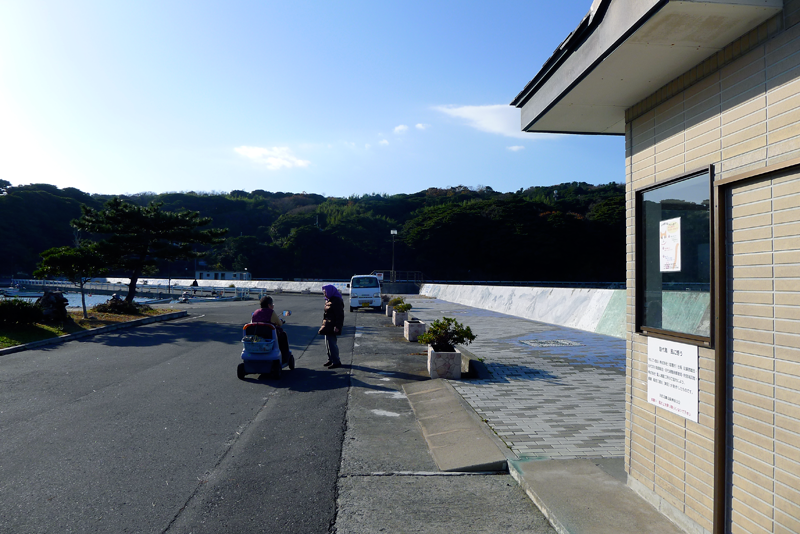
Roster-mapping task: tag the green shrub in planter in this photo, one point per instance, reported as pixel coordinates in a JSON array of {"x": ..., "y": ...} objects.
[
  {"x": 395, "y": 301},
  {"x": 402, "y": 307},
  {"x": 17, "y": 311},
  {"x": 445, "y": 333}
]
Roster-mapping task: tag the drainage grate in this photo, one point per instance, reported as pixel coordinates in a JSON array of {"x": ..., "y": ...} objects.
[{"x": 552, "y": 343}]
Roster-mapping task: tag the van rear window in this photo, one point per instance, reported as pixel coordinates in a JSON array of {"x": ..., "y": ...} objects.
[{"x": 369, "y": 281}]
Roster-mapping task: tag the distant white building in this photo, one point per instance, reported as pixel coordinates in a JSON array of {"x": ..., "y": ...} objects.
[{"x": 223, "y": 275}]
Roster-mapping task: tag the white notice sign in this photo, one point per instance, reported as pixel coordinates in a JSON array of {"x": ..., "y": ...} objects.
[
  {"x": 672, "y": 378},
  {"x": 670, "y": 232}
]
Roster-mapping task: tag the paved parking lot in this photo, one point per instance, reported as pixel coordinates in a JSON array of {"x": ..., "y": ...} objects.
[{"x": 554, "y": 392}]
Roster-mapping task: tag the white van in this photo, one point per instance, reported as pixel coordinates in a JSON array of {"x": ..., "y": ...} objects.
[{"x": 365, "y": 291}]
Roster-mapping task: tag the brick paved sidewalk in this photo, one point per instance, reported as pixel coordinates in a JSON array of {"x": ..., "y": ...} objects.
[{"x": 554, "y": 392}]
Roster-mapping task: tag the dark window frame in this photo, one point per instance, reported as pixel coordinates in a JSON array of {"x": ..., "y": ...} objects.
[{"x": 640, "y": 328}]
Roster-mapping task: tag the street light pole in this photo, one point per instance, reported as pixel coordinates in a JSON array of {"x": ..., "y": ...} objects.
[{"x": 394, "y": 233}]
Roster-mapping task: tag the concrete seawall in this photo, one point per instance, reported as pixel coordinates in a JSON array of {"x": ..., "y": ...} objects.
[
  {"x": 270, "y": 285},
  {"x": 594, "y": 310}
]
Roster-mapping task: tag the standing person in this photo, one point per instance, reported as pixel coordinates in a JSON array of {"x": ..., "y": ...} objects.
[{"x": 332, "y": 324}]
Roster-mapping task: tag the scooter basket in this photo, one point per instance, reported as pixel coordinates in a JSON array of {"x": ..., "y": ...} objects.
[
  {"x": 256, "y": 347},
  {"x": 258, "y": 338}
]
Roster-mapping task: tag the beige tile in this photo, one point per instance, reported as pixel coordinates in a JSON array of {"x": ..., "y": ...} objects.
[
  {"x": 703, "y": 140},
  {"x": 787, "y": 243},
  {"x": 791, "y": 186},
  {"x": 786, "y": 202},
  {"x": 732, "y": 114},
  {"x": 746, "y": 88},
  {"x": 790, "y": 117},
  {"x": 745, "y": 162},
  {"x": 749, "y": 247},
  {"x": 784, "y": 86},
  {"x": 781, "y": 61},
  {"x": 791, "y": 256},
  {"x": 748, "y": 310},
  {"x": 789, "y": 145},
  {"x": 666, "y": 153},
  {"x": 787, "y": 340},
  {"x": 784, "y": 230},
  {"x": 786, "y": 105},
  {"x": 762, "y": 271},
  {"x": 697, "y": 159},
  {"x": 711, "y": 124},
  {"x": 785, "y": 156},
  {"x": 787, "y": 216},
  {"x": 747, "y": 397},
  {"x": 752, "y": 284},
  {"x": 787, "y": 326},
  {"x": 753, "y": 297},
  {"x": 787, "y": 284},
  {"x": 745, "y": 69},
  {"x": 731, "y": 151},
  {"x": 752, "y": 234},
  {"x": 751, "y": 208},
  {"x": 787, "y": 312},
  {"x": 699, "y": 108},
  {"x": 782, "y": 134},
  {"x": 788, "y": 354},
  {"x": 754, "y": 259}
]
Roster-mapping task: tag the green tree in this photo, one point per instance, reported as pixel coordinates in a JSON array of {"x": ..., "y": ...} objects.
[
  {"x": 137, "y": 237},
  {"x": 78, "y": 265}
]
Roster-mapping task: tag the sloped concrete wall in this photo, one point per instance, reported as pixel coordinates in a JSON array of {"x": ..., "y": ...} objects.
[
  {"x": 594, "y": 310},
  {"x": 294, "y": 287}
]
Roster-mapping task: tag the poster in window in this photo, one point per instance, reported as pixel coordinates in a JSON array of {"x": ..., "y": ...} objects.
[{"x": 670, "y": 232}]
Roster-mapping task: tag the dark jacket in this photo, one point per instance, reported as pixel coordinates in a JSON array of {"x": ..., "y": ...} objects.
[{"x": 333, "y": 316}]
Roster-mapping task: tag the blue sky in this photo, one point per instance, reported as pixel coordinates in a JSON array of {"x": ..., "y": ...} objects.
[{"x": 335, "y": 98}]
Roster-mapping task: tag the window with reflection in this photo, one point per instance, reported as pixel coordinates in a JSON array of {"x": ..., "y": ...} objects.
[{"x": 674, "y": 262}]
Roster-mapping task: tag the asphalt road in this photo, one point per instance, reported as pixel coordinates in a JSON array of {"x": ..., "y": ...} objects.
[{"x": 149, "y": 430}]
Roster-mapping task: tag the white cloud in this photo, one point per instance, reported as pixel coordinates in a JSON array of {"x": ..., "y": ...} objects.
[
  {"x": 516, "y": 148},
  {"x": 421, "y": 126},
  {"x": 273, "y": 158},
  {"x": 400, "y": 129},
  {"x": 498, "y": 119},
  {"x": 383, "y": 142}
]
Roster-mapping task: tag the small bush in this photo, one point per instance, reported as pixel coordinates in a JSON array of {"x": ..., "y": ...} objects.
[
  {"x": 121, "y": 307},
  {"x": 445, "y": 333},
  {"x": 402, "y": 307},
  {"x": 395, "y": 301},
  {"x": 16, "y": 311}
]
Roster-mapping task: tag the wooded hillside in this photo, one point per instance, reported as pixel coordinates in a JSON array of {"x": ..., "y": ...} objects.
[{"x": 567, "y": 232}]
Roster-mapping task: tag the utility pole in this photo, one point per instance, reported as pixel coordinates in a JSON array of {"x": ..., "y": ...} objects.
[{"x": 394, "y": 233}]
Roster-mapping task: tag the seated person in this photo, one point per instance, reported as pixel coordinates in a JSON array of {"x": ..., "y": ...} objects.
[{"x": 266, "y": 314}]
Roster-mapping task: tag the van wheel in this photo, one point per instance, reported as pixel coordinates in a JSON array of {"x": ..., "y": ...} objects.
[{"x": 351, "y": 309}]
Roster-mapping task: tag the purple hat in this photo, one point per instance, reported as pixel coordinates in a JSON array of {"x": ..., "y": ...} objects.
[{"x": 330, "y": 291}]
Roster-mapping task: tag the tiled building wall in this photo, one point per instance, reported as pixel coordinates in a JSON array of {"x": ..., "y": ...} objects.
[
  {"x": 741, "y": 117},
  {"x": 763, "y": 248}
]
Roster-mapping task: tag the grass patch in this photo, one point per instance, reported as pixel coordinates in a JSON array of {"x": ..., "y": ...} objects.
[{"x": 14, "y": 335}]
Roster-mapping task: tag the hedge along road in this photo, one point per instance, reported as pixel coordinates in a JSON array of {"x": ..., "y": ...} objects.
[{"x": 149, "y": 430}]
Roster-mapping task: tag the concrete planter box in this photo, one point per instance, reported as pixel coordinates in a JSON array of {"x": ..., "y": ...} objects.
[
  {"x": 389, "y": 310},
  {"x": 413, "y": 329},
  {"x": 398, "y": 318},
  {"x": 444, "y": 364}
]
